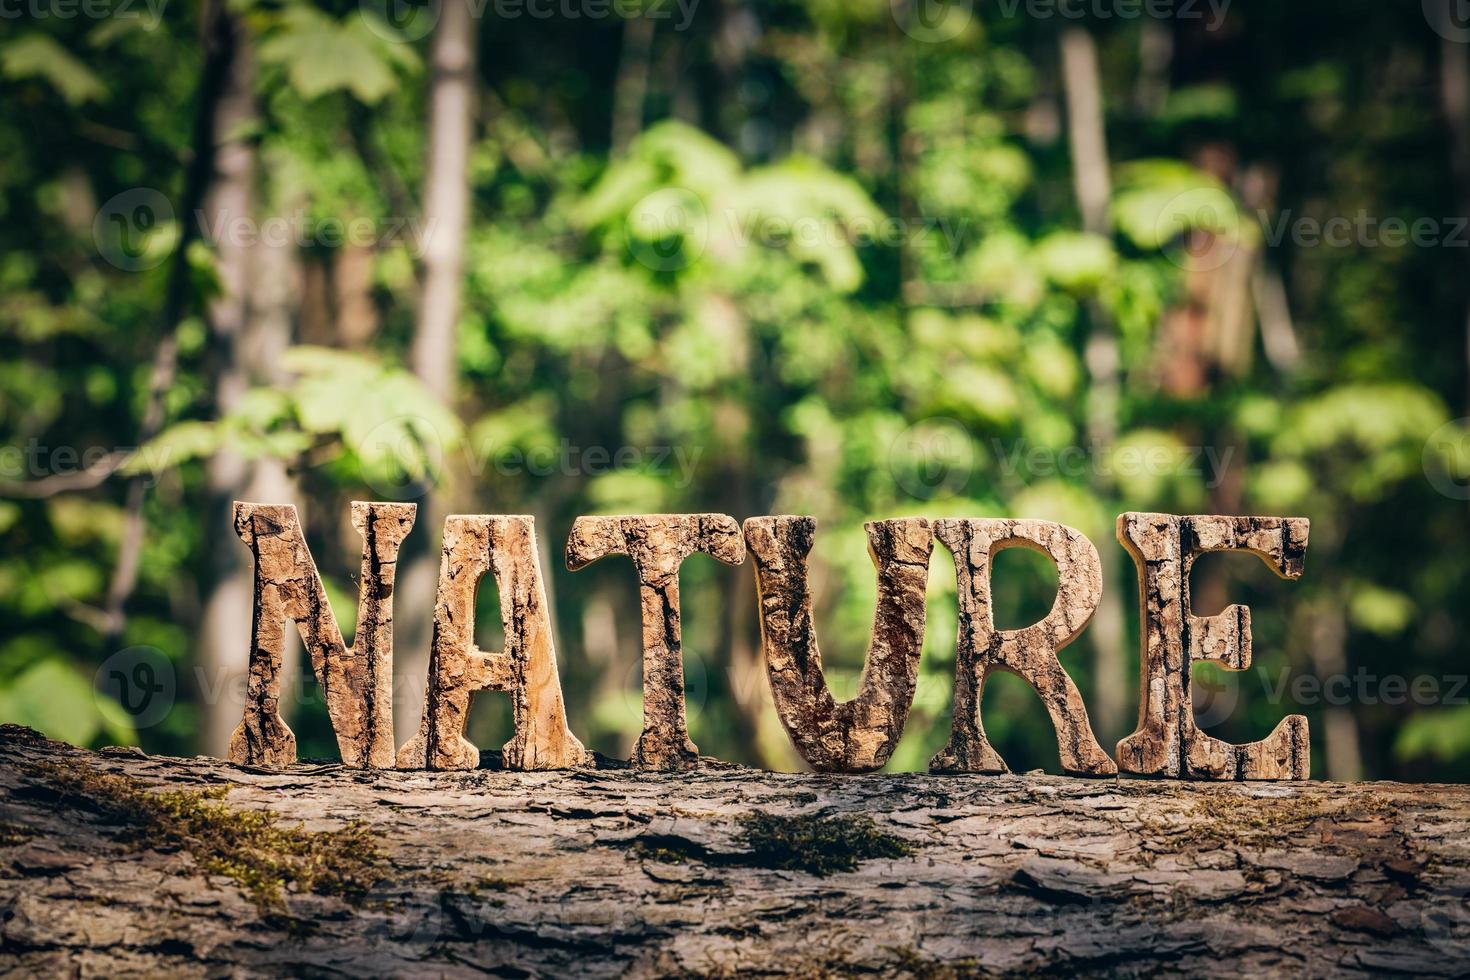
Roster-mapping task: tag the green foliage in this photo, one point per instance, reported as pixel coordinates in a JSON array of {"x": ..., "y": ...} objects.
[
  {"x": 35, "y": 55},
  {"x": 52, "y": 698},
  {"x": 321, "y": 54},
  {"x": 840, "y": 271}
]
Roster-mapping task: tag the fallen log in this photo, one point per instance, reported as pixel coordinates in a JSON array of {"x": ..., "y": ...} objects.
[{"x": 118, "y": 863}]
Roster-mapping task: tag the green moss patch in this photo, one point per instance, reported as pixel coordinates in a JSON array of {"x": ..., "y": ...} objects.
[
  {"x": 816, "y": 845},
  {"x": 249, "y": 846}
]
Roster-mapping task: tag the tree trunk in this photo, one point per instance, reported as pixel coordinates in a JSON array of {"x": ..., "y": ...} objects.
[
  {"x": 1454, "y": 101},
  {"x": 630, "y": 90},
  {"x": 1092, "y": 184},
  {"x": 446, "y": 216},
  {"x": 251, "y": 324},
  {"x": 613, "y": 872}
]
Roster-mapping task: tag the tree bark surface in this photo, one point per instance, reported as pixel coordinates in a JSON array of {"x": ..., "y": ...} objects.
[{"x": 603, "y": 872}]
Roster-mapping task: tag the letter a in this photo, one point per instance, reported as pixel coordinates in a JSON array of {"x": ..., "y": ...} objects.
[{"x": 506, "y": 548}]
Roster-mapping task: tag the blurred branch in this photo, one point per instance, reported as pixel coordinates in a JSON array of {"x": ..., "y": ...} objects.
[
  {"x": 520, "y": 145},
  {"x": 82, "y": 479},
  {"x": 446, "y": 197},
  {"x": 360, "y": 127},
  {"x": 1454, "y": 99},
  {"x": 631, "y": 87},
  {"x": 1278, "y": 335}
]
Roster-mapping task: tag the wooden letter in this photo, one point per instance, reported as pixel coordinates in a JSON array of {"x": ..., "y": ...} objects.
[
  {"x": 858, "y": 735},
  {"x": 1029, "y": 653},
  {"x": 357, "y": 682},
  {"x": 505, "y": 547},
  {"x": 658, "y": 545},
  {"x": 1167, "y": 743}
]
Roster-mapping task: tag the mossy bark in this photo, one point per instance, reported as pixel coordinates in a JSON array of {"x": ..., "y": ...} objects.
[{"x": 603, "y": 872}]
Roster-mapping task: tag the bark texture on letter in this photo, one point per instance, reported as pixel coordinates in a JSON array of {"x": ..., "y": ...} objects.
[
  {"x": 857, "y": 735},
  {"x": 506, "y": 548},
  {"x": 1029, "y": 653},
  {"x": 658, "y": 545},
  {"x": 357, "y": 683},
  {"x": 1167, "y": 742}
]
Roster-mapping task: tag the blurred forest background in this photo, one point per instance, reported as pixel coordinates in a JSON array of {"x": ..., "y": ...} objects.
[{"x": 849, "y": 258}]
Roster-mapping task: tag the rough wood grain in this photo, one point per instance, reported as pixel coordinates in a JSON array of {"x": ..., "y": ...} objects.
[
  {"x": 658, "y": 545},
  {"x": 857, "y": 735},
  {"x": 505, "y": 547},
  {"x": 357, "y": 683},
  {"x": 604, "y": 873},
  {"x": 1167, "y": 742},
  {"x": 1029, "y": 653}
]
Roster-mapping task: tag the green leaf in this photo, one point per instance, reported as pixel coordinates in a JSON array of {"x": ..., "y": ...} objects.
[
  {"x": 1076, "y": 261},
  {"x": 38, "y": 56},
  {"x": 322, "y": 54},
  {"x": 174, "y": 446},
  {"x": 54, "y": 699},
  {"x": 1379, "y": 610},
  {"x": 1442, "y": 735}
]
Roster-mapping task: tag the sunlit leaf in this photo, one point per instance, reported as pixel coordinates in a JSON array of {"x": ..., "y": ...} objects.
[{"x": 34, "y": 55}]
